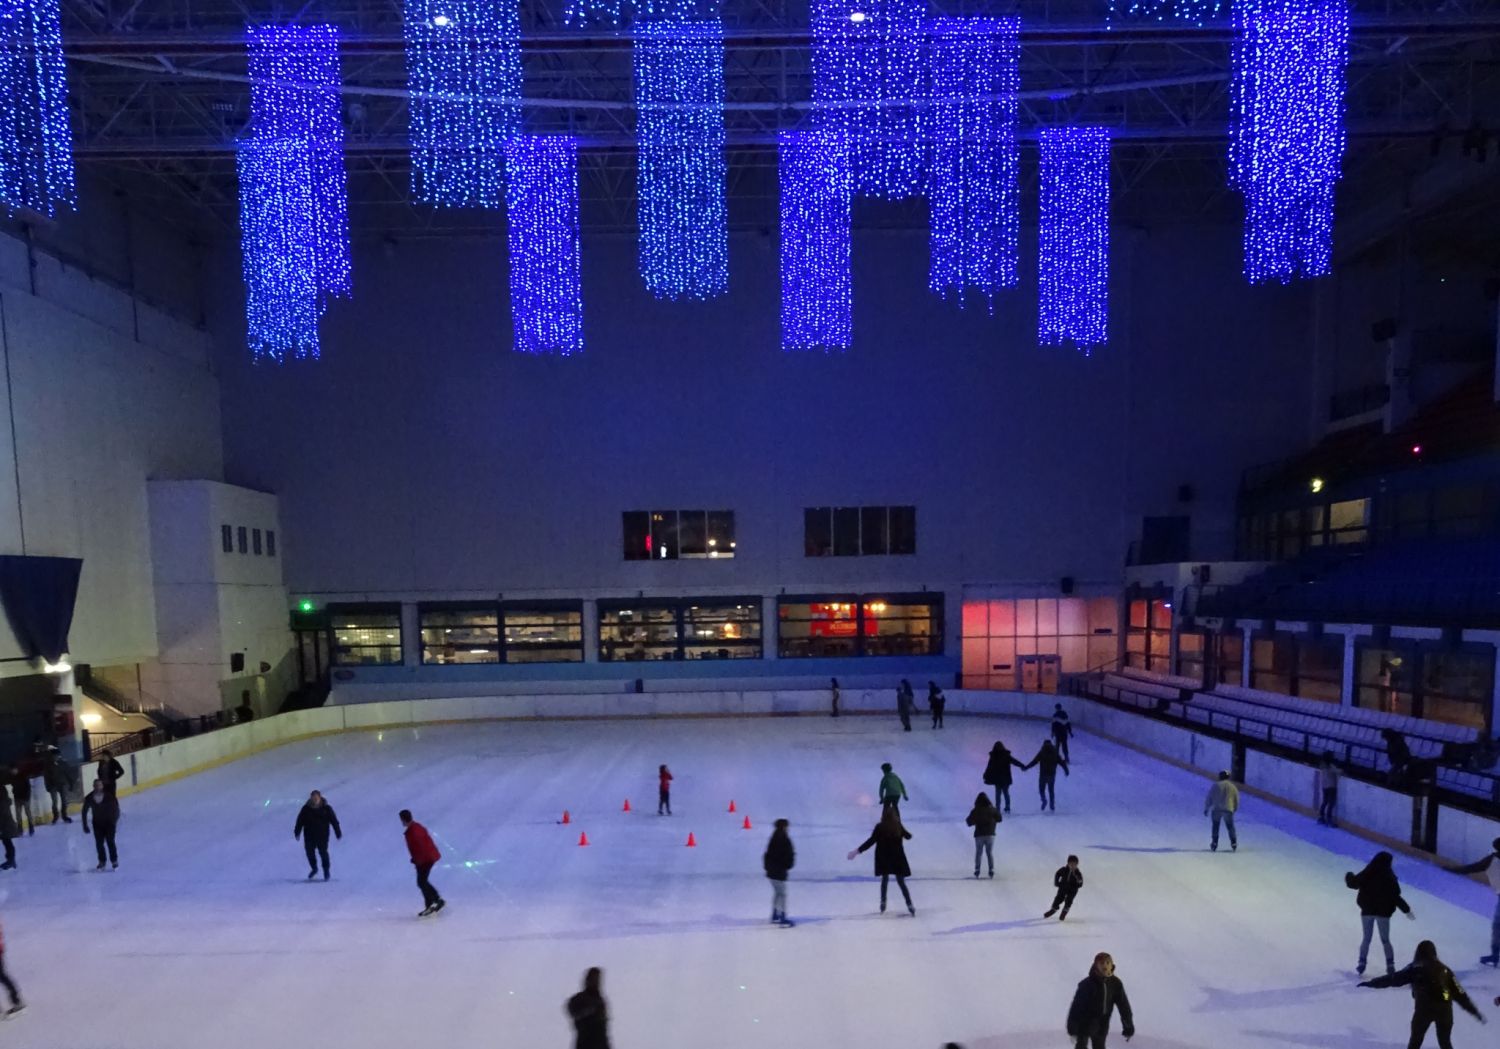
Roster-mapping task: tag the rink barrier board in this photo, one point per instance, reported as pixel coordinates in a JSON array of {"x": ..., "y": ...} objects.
[{"x": 1382, "y": 815}]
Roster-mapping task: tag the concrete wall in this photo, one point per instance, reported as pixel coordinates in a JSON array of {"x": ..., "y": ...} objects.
[
  {"x": 101, "y": 393},
  {"x": 421, "y": 458}
]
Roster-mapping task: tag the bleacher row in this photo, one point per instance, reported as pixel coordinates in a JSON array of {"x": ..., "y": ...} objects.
[{"x": 1310, "y": 726}]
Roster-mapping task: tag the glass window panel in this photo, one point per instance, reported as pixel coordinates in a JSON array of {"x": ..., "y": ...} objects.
[
  {"x": 976, "y": 620},
  {"x": 1190, "y": 644},
  {"x": 1138, "y": 614},
  {"x": 819, "y": 629},
  {"x": 975, "y": 666},
  {"x": 663, "y": 535},
  {"x": 1104, "y": 614},
  {"x": 1026, "y": 617},
  {"x": 1161, "y": 614},
  {"x": 902, "y": 628},
  {"x": 637, "y": 633},
  {"x": 1457, "y": 686},
  {"x": 1103, "y": 651},
  {"x": 365, "y": 637},
  {"x": 1135, "y": 641},
  {"x": 459, "y": 635},
  {"x": 1046, "y": 644},
  {"x": 817, "y": 531},
  {"x": 637, "y": 526},
  {"x": 270, "y": 543},
  {"x": 1320, "y": 669},
  {"x": 873, "y": 535},
  {"x": 1231, "y": 655},
  {"x": 243, "y": 535},
  {"x": 692, "y": 533},
  {"x": 727, "y": 631},
  {"x": 1075, "y": 654},
  {"x": 255, "y": 541},
  {"x": 903, "y": 529},
  {"x": 1002, "y": 619},
  {"x": 1026, "y": 646},
  {"x": 1002, "y": 655},
  {"x": 1271, "y": 664},
  {"x": 543, "y": 635},
  {"x": 1073, "y": 616},
  {"x": 1412, "y": 514},
  {"x": 846, "y": 531},
  {"x": 721, "y": 540},
  {"x": 1161, "y": 644},
  {"x": 1046, "y": 616},
  {"x": 226, "y": 538},
  {"x": 1352, "y": 513}
]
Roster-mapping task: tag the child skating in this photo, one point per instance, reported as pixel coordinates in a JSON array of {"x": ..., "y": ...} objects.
[
  {"x": 1068, "y": 880},
  {"x": 664, "y": 792}
]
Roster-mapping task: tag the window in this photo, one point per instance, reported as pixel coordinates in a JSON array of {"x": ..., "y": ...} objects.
[
  {"x": 669, "y": 535},
  {"x": 875, "y": 625},
  {"x": 459, "y": 634},
  {"x": 1320, "y": 668},
  {"x": 543, "y": 632},
  {"x": 1229, "y": 657},
  {"x": 722, "y": 630},
  {"x": 226, "y": 538},
  {"x": 855, "y": 531},
  {"x": 1192, "y": 653},
  {"x": 1081, "y": 632},
  {"x": 365, "y": 635},
  {"x": 1385, "y": 678},
  {"x": 1272, "y": 660},
  {"x": 255, "y": 540},
  {"x": 637, "y": 631},
  {"x": 270, "y": 543},
  {"x": 243, "y": 535},
  {"x": 1348, "y": 522},
  {"x": 1455, "y": 685},
  {"x": 1461, "y": 511},
  {"x": 1148, "y": 634}
]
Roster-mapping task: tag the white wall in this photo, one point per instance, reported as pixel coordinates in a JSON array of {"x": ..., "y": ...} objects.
[
  {"x": 102, "y": 394},
  {"x": 422, "y": 458}
]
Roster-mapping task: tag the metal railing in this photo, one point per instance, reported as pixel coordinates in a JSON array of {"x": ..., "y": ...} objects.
[{"x": 95, "y": 743}]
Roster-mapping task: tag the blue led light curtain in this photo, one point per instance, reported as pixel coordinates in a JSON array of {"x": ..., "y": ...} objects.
[
  {"x": 816, "y": 240},
  {"x": 546, "y": 283},
  {"x": 1287, "y": 135},
  {"x": 974, "y": 175},
  {"x": 463, "y": 70},
  {"x": 1073, "y": 238},
  {"x": 679, "y": 97},
  {"x": 36, "y": 141},
  {"x": 867, "y": 82},
  {"x": 294, "y": 224}
]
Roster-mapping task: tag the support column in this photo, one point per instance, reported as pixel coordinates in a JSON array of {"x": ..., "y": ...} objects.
[
  {"x": 770, "y": 628},
  {"x": 411, "y": 635},
  {"x": 1346, "y": 690},
  {"x": 1247, "y": 656},
  {"x": 590, "y": 630}
]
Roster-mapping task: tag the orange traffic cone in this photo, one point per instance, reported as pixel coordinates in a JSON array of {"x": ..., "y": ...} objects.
[
  {"x": 747, "y": 823},
  {"x": 583, "y": 839},
  {"x": 627, "y": 806},
  {"x": 566, "y": 818},
  {"x": 731, "y": 804},
  {"x": 690, "y": 842}
]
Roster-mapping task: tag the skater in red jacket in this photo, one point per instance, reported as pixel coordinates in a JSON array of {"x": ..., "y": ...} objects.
[
  {"x": 424, "y": 856},
  {"x": 664, "y": 791}
]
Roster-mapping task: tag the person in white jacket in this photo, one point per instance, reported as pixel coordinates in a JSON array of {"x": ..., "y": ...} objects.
[
  {"x": 1490, "y": 866},
  {"x": 1222, "y": 803}
]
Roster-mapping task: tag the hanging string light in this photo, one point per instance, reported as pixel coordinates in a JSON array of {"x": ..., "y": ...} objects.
[
  {"x": 463, "y": 70},
  {"x": 1287, "y": 137},
  {"x": 1194, "y": 11},
  {"x": 679, "y": 98},
  {"x": 973, "y": 181},
  {"x": 816, "y": 202},
  {"x": 867, "y": 74},
  {"x": 36, "y": 142},
  {"x": 616, "y": 12},
  {"x": 1073, "y": 240},
  {"x": 546, "y": 284},
  {"x": 294, "y": 224}
]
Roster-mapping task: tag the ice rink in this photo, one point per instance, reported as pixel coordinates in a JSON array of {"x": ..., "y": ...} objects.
[{"x": 209, "y": 934}]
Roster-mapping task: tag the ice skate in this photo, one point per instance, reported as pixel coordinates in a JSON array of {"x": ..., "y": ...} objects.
[
  {"x": 15, "y": 1010},
  {"x": 439, "y": 905},
  {"x": 1050, "y": 913},
  {"x": 911, "y": 910},
  {"x": 8, "y": 865},
  {"x": 100, "y": 867},
  {"x": 786, "y": 923},
  {"x": 326, "y": 875},
  {"x": 1490, "y": 960},
  {"x": 312, "y": 874},
  {"x": 115, "y": 865}
]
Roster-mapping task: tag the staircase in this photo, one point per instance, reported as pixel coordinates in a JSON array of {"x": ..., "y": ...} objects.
[{"x": 161, "y": 714}]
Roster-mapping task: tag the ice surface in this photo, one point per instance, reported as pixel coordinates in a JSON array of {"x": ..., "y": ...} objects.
[{"x": 210, "y": 936}]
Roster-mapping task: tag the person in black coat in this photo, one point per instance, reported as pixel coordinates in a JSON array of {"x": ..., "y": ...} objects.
[
  {"x": 1062, "y": 730},
  {"x": 905, "y": 701},
  {"x": 983, "y": 817},
  {"x": 890, "y": 854},
  {"x": 7, "y": 830},
  {"x": 936, "y": 702},
  {"x": 110, "y": 772},
  {"x": 1433, "y": 992},
  {"x": 1047, "y": 760},
  {"x": 19, "y": 777},
  {"x": 313, "y": 823},
  {"x": 590, "y": 1013},
  {"x": 1379, "y": 898},
  {"x": 997, "y": 773},
  {"x": 1068, "y": 880},
  {"x": 59, "y": 779},
  {"x": 105, "y": 808},
  {"x": 1099, "y": 994},
  {"x": 778, "y": 860}
]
